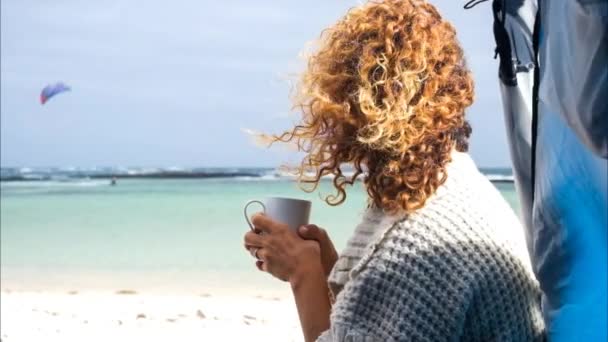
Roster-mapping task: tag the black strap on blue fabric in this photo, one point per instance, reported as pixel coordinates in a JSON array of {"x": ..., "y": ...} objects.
[
  {"x": 507, "y": 70},
  {"x": 473, "y": 3},
  {"x": 535, "y": 46}
]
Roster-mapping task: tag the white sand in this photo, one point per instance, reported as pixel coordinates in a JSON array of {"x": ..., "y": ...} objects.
[{"x": 108, "y": 316}]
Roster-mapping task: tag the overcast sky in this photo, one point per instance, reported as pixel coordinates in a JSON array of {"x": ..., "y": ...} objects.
[{"x": 173, "y": 83}]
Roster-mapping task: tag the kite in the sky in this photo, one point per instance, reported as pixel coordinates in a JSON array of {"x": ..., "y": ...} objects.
[{"x": 52, "y": 90}]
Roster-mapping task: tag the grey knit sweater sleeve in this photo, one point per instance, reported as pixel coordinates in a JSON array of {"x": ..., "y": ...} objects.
[{"x": 455, "y": 270}]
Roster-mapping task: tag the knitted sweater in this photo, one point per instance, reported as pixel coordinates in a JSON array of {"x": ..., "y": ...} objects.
[{"x": 455, "y": 270}]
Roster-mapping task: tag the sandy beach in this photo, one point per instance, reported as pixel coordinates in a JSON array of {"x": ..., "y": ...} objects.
[{"x": 128, "y": 315}]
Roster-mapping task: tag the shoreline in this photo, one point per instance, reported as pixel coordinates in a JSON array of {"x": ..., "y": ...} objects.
[
  {"x": 248, "y": 283},
  {"x": 138, "y": 316}
]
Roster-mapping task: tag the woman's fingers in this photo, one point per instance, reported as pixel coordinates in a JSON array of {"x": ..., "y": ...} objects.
[
  {"x": 263, "y": 254},
  {"x": 260, "y": 265},
  {"x": 328, "y": 252},
  {"x": 253, "y": 251},
  {"x": 253, "y": 240},
  {"x": 312, "y": 232},
  {"x": 266, "y": 224}
]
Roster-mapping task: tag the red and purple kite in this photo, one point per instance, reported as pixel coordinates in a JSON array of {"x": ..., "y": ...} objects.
[{"x": 52, "y": 90}]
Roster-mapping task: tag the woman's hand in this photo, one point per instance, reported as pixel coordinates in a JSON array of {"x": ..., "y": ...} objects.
[
  {"x": 329, "y": 256},
  {"x": 280, "y": 251},
  {"x": 285, "y": 255}
]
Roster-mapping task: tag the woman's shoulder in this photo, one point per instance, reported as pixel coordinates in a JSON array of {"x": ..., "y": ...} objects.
[
  {"x": 468, "y": 207},
  {"x": 467, "y": 224},
  {"x": 467, "y": 229},
  {"x": 462, "y": 249},
  {"x": 409, "y": 280},
  {"x": 420, "y": 273}
]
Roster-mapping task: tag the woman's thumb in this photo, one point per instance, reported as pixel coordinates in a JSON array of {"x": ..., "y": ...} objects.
[{"x": 310, "y": 232}]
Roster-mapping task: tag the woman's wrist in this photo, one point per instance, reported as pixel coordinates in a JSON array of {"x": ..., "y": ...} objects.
[
  {"x": 310, "y": 271},
  {"x": 309, "y": 288}
]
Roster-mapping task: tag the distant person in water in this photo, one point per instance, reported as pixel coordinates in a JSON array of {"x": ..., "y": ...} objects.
[
  {"x": 439, "y": 254},
  {"x": 113, "y": 181}
]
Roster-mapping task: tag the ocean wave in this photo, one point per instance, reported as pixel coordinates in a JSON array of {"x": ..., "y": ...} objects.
[
  {"x": 500, "y": 178},
  {"x": 101, "y": 175},
  {"x": 54, "y": 183}
]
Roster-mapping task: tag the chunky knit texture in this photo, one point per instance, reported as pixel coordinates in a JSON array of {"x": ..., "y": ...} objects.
[{"x": 455, "y": 270}]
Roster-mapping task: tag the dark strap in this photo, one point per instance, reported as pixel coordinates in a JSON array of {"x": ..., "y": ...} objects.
[
  {"x": 535, "y": 43},
  {"x": 507, "y": 70},
  {"x": 473, "y": 3}
]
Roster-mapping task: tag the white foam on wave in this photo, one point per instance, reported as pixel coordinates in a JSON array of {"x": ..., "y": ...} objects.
[
  {"x": 55, "y": 184},
  {"x": 498, "y": 178},
  {"x": 264, "y": 178},
  {"x": 25, "y": 170}
]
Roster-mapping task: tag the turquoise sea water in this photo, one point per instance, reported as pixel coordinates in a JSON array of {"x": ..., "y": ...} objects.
[{"x": 159, "y": 234}]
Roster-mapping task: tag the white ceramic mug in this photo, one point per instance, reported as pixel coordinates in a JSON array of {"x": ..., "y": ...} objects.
[{"x": 290, "y": 211}]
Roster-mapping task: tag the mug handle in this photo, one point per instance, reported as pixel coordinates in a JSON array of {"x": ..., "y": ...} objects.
[{"x": 245, "y": 211}]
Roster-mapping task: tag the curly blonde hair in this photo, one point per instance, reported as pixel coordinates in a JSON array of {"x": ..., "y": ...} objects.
[{"x": 385, "y": 93}]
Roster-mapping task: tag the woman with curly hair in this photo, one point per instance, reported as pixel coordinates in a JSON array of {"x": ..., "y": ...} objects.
[{"x": 439, "y": 255}]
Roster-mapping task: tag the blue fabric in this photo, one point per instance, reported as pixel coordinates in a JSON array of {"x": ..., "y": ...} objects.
[
  {"x": 570, "y": 237},
  {"x": 570, "y": 211},
  {"x": 566, "y": 210}
]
